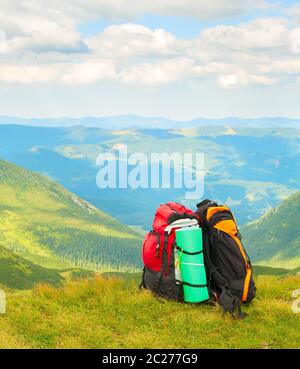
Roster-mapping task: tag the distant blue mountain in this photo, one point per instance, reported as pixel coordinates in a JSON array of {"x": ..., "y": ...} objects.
[{"x": 135, "y": 121}]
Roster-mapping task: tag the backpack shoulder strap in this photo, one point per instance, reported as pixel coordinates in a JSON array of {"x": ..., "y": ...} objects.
[{"x": 212, "y": 270}]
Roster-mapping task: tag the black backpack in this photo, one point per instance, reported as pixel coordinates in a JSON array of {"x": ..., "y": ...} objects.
[{"x": 228, "y": 267}]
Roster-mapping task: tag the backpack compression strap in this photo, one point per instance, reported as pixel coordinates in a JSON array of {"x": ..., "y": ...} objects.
[{"x": 186, "y": 252}]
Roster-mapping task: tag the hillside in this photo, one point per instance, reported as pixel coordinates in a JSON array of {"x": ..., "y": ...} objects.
[
  {"x": 19, "y": 273},
  {"x": 274, "y": 239},
  {"x": 46, "y": 224},
  {"x": 99, "y": 314}
]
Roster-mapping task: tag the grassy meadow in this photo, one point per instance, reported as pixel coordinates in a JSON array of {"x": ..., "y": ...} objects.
[{"x": 111, "y": 312}]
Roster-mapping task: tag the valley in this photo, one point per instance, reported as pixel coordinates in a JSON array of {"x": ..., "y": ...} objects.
[{"x": 251, "y": 168}]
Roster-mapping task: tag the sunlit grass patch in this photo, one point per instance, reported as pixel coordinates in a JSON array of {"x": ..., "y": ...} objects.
[{"x": 106, "y": 312}]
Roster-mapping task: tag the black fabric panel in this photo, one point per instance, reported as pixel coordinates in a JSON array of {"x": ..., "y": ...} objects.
[
  {"x": 152, "y": 280},
  {"x": 163, "y": 285},
  {"x": 170, "y": 289},
  {"x": 237, "y": 287},
  {"x": 214, "y": 279},
  {"x": 225, "y": 254},
  {"x": 173, "y": 217}
]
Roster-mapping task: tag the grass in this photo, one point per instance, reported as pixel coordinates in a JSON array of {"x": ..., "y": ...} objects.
[{"x": 110, "y": 312}]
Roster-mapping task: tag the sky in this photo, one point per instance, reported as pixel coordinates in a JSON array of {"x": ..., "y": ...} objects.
[{"x": 180, "y": 59}]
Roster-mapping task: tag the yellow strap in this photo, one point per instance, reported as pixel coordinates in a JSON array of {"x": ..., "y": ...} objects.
[{"x": 247, "y": 283}]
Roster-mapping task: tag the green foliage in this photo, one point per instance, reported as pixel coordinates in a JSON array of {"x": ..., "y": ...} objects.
[
  {"x": 114, "y": 313},
  {"x": 18, "y": 273},
  {"x": 274, "y": 239},
  {"x": 263, "y": 270},
  {"x": 46, "y": 224}
]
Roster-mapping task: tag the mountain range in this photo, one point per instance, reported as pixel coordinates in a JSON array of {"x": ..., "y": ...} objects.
[
  {"x": 135, "y": 121},
  {"x": 251, "y": 169}
]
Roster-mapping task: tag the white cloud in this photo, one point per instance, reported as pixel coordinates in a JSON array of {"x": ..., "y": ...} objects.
[
  {"x": 258, "y": 35},
  {"x": 169, "y": 71},
  {"x": 295, "y": 40},
  {"x": 130, "y": 9},
  {"x": 83, "y": 73},
  {"x": 42, "y": 44},
  {"x": 242, "y": 78},
  {"x": 257, "y": 52},
  {"x": 29, "y": 26},
  {"x": 250, "y": 53},
  {"x": 133, "y": 40},
  {"x": 202, "y": 9},
  {"x": 282, "y": 67},
  {"x": 27, "y": 74},
  {"x": 89, "y": 72}
]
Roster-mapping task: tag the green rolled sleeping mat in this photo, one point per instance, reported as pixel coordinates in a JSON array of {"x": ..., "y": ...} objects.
[{"x": 191, "y": 264}]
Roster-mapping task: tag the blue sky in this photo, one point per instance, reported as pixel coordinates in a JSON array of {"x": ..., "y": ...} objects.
[
  {"x": 181, "y": 27},
  {"x": 179, "y": 59}
]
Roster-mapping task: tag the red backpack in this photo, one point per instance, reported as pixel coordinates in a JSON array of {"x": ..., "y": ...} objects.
[{"x": 158, "y": 250}]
